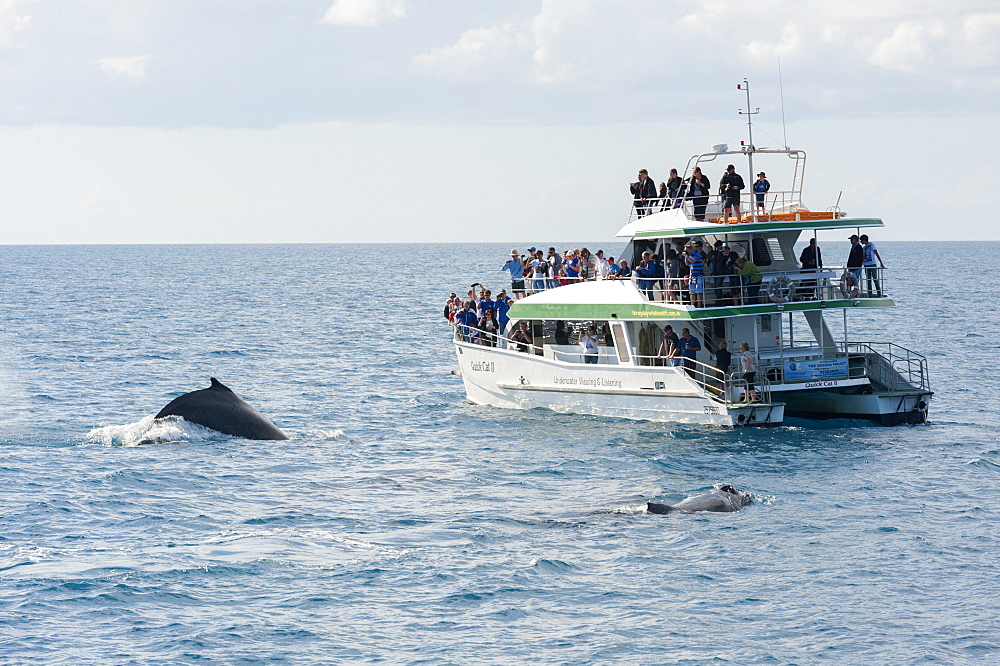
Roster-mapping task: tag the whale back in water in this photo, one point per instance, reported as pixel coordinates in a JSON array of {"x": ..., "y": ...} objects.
[
  {"x": 723, "y": 500},
  {"x": 218, "y": 408}
]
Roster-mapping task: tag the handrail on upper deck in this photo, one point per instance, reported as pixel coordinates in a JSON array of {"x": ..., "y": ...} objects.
[
  {"x": 781, "y": 201},
  {"x": 777, "y": 206},
  {"x": 730, "y": 290}
]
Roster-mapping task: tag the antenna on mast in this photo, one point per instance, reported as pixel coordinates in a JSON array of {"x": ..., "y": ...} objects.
[
  {"x": 781, "y": 91},
  {"x": 745, "y": 86}
]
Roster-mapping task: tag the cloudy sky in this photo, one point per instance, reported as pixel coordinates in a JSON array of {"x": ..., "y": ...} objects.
[{"x": 190, "y": 121}]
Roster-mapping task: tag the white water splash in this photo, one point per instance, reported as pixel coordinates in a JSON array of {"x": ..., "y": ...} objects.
[{"x": 150, "y": 430}]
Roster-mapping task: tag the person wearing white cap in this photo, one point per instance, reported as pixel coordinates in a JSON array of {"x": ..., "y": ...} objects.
[{"x": 515, "y": 267}]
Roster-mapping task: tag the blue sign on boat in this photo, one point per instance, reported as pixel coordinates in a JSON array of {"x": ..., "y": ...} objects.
[{"x": 804, "y": 371}]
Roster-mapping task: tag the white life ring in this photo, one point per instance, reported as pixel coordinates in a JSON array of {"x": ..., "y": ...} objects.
[
  {"x": 849, "y": 285},
  {"x": 781, "y": 289}
]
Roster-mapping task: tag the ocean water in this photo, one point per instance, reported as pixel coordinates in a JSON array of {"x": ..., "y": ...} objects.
[{"x": 401, "y": 524}]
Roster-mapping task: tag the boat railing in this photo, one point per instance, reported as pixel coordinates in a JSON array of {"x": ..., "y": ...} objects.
[
  {"x": 894, "y": 367},
  {"x": 886, "y": 365},
  {"x": 777, "y": 205},
  {"x": 728, "y": 387},
  {"x": 477, "y": 336},
  {"x": 824, "y": 284}
]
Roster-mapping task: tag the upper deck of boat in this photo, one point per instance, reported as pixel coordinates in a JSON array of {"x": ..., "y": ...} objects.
[
  {"x": 676, "y": 223},
  {"x": 779, "y": 208}
]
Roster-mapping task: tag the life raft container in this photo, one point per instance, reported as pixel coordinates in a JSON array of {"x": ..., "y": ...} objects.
[
  {"x": 849, "y": 285},
  {"x": 780, "y": 289}
]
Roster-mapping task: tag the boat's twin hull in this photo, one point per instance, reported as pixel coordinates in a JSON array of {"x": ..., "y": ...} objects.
[
  {"x": 503, "y": 378},
  {"x": 885, "y": 408}
]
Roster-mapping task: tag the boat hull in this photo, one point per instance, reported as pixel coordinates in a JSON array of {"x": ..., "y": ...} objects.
[
  {"x": 509, "y": 379},
  {"x": 888, "y": 409}
]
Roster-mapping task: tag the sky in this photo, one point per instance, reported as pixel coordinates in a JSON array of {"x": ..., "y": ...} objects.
[{"x": 363, "y": 121}]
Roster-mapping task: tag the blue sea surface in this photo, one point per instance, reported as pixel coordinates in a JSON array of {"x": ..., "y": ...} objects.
[{"x": 401, "y": 524}]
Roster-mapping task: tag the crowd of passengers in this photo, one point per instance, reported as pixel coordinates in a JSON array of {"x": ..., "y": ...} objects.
[{"x": 685, "y": 274}]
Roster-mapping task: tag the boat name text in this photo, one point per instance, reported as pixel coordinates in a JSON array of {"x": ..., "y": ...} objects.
[
  {"x": 484, "y": 366},
  {"x": 588, "y": 381}
]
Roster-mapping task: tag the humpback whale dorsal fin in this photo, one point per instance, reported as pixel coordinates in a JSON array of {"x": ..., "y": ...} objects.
[{"x": 216, "y": 384}]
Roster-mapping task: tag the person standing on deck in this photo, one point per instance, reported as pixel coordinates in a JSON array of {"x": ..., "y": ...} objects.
[
  {"x": 603, "y": 268},
  {"x": 723, "y": 358},
  {"x": 674, "y": 184},
  {"x": 555, "y": 265},
  {"x": 750, "y": 279},
  {"x": 723, "y": 266},
  {"x": 643, "y": 190},
  {"x": 689, "y": 347},
  {"x": 588, "y": 342},
  {"x": 871, "y": 268},
  {"x": 811, "y": 260},
  {"x": 624, "y": 272},
  {"x": 572, "y": 266},
  {"x": 811, "y": 257},
  {"x": 730, "y": 187},
  {"x": 749, "y": 371},
  {"x": 856, "y": 259},
  {"x": 696, "y": 283},
  {"x": 761, "y": 187},
  {"x": 516, "y": 269},
  {"x": 503, "y": 305},
  {"x": 522, "y": 336},
  {"x": 668, "y": 348},
  {"x": 539, "y": 272},
  {"x": 466, "y": 320},
  {"x": 698, "y": 190}
]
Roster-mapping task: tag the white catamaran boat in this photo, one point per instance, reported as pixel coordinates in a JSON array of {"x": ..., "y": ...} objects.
[{"x": 804, "y": 368}]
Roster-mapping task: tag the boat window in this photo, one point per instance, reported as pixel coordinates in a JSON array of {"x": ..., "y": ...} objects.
[
  {"x": 740, "y": 247},
  {"x": 761, "y": 252},
  {"x": 774, "y": 247}
]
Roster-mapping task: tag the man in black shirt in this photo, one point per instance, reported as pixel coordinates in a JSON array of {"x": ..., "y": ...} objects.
[
  {"x": 811, "y": 257},
  {"x": 811, "y": 260},
  {"x": 723, "y": 358},
  {"x": 643, "y": 190},
  {"x": 730, "y": 187},
  {"x": 856, "y": 259}
]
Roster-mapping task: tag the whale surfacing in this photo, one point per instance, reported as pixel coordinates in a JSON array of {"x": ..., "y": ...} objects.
[
  {"x": 218, "y": 408},
  {"x": 725, "y": 499}
]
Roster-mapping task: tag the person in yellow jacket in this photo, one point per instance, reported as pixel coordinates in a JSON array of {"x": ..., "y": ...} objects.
[{"x": 750, "y": 277}]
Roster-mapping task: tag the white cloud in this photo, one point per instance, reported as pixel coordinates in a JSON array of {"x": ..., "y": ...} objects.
[
  {"x": 908, "y": 48},
  {"x": 126, "y": 67},
  {"x": 982, "y": 39},
  {"x": 364, "y": 12},
  {"x": 789, "y": 45},
  {"x": 476, "y": 52},
  {"x": 12, "y": 21}
]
